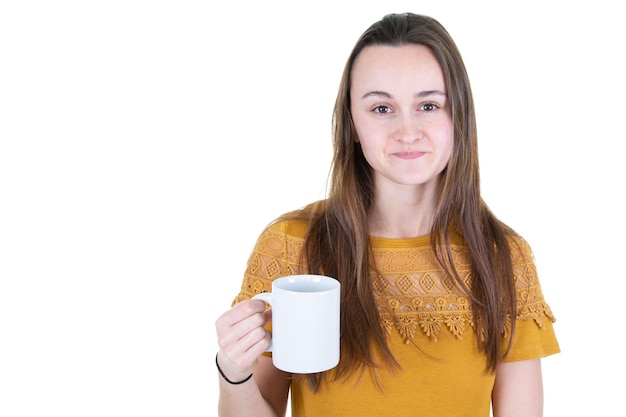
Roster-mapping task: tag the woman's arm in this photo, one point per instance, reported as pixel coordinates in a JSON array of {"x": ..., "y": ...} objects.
[
  {"x": 243, "y": 339},
  {"x": 518, "y": 389},
  {"x": 265, "y": 394}
]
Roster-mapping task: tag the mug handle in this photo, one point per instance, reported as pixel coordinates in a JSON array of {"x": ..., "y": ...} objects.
[{"x": 266, "y": 297}]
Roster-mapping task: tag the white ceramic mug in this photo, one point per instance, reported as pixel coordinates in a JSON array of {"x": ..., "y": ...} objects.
[{"x": 305, "y": 323}]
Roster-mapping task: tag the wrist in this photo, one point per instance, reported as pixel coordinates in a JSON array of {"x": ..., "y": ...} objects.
[{"x": 225, "y": 378}]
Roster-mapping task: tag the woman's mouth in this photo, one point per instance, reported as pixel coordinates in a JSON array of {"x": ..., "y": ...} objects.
[{"x": 409, "y": 155}]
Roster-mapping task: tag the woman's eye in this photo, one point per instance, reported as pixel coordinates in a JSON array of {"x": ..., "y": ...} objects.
[
  {"x": 381, "y": 109},
  {"x": 429, "y": 107}
]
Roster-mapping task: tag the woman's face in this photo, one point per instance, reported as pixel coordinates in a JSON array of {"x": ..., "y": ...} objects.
[{"x": 399, "y": 108}]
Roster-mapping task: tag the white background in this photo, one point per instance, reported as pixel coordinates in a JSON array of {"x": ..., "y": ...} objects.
[{"x": 145, "y": 144}]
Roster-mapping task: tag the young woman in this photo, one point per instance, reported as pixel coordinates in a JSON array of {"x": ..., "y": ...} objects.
[{"x": 442, "y": 313}]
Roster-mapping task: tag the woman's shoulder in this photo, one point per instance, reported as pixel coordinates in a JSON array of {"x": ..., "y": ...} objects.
[
  {"x": 520, "y": 249},
  {"x": 296, "y": 222}
]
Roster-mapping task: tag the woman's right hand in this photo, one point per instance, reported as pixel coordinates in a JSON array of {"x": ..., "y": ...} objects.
[{"x": 242, "y": 338}]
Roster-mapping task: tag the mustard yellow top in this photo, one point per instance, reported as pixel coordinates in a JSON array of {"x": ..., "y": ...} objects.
[{"x": 429, "y": 324}]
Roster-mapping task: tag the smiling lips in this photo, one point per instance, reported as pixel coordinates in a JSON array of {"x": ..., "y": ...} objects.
[{"x": 409, "y": 155}]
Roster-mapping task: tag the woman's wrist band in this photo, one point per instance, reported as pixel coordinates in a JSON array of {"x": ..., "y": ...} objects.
[{"x": 228, "y": 380}]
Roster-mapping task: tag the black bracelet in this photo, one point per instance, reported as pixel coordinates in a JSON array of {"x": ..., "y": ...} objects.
[{"x": 226, "y": 379}]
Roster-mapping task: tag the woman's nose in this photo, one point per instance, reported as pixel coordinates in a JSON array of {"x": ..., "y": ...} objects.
[{"x": 407, "y": 128}]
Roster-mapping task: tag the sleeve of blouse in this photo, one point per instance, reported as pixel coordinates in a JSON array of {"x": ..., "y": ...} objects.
[
  {"x": 275, "y": 254},
  {"x": 534, "y": 332}
]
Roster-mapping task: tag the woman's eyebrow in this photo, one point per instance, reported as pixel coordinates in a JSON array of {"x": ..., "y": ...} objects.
[
  {"x": 377, "y": 93},
  {"x": 421, "y": 94},
  {"x": 427, "y": 93}
]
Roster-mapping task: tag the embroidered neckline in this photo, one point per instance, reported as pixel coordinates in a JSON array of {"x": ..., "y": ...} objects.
[{"x": 412, "y": 292}]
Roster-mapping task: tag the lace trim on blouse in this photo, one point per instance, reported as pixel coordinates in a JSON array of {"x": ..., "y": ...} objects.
[{"x": 411, "y": 290}]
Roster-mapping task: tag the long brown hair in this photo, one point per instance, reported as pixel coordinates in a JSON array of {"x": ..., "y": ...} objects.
[{"x": 337, "y": 241}]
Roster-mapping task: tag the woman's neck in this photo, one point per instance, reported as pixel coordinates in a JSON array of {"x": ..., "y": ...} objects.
[{"x": 401, "y": 215}]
